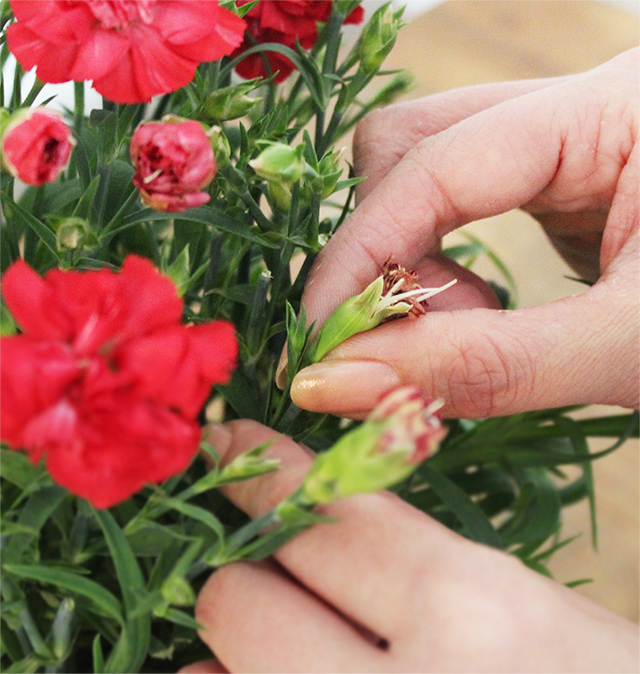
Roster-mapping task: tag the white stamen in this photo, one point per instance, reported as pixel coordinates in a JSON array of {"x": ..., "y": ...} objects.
[
  {"x": 152, "y": 176},
  {"x": 420, "y": 293}
]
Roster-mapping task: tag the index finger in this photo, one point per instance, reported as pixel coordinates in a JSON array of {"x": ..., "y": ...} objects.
[
  {"x": 370, "y": 562},
  {"x": 489, "y": 163}
]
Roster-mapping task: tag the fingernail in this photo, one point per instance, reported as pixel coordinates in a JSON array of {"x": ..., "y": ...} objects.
[
  {"x": 219, "y": 436},
  {"x": 342, "y": 386}
]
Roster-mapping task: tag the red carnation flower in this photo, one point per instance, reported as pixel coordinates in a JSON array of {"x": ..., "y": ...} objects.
[
  {"x": 104, "y": 381},
  {"x": 283, "y": 21},
  {"x": 174, "y": 162},
  {"x": 131, "y": 49},
  {"x": 36, "y": 146}
]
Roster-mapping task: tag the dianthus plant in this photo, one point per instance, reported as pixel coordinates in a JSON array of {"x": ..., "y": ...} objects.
[{"x": 155, "y": 246}]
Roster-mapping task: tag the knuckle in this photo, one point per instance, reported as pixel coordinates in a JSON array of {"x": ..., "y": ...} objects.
[{"x": 488, "y": 381}]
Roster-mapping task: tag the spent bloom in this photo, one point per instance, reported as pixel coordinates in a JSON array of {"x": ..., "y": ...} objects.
[
  {"x": 284, "y": 22},
  {"x": 36, "y": 145},
  {"x": 403, "y": 430},
  {"x": 131, "y": 49},
  {"x": 174, "y": 162},
  {"x": 105, "y": 382},
  {"x": 393, "y": 294}
]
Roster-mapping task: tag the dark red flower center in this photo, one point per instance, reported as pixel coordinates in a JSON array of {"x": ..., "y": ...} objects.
[{"x": 120, "y": 14}]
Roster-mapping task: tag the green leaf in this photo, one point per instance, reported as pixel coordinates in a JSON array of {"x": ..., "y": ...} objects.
[
  {"x": 131, "y": 648},
  {"x": 83, "y": 207},
  {"x": 16, "y": 467},
  {"x": 476, "y": 524},
  {"x": 181, "y": 618},
  {"x": 37, "y": 510},
  {"x": 45, "y": 234},
  {"x": 101, "y": 598},
  {"x": 577, "y": 436},
  {"x": 537, "y": 511},
  {"x": 205, "y": 215},
  {"x": 98, "y": 656}
]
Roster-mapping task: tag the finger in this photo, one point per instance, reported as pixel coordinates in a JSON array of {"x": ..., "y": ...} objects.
[
  {"x": 484, "y": 363},
  {"x": 387, "y": 134},
  {"x": 204, "y": 667},
  {"x": 360, "y": 564},
  {"x": 496, "y": 160},
  {"x": 256, "y": 619}
]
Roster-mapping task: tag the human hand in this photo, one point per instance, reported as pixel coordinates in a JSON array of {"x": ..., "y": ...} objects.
[
  {"x": 566, "y": 151},
  {"x": 386, "y": 588}
]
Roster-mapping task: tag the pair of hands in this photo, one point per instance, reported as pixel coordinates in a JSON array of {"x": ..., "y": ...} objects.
[{"x": 387, "y": 588}]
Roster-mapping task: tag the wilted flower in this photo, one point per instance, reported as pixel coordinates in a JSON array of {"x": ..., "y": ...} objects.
[
  {"x": 131, "y": 49},
  {"x": 36, "y": 145},
  {"x": 393, "y": 294},
  {"x": 105, "y": 382},
  {"x": 174, "y": 161},
  {"x": 401, "y": 431}
]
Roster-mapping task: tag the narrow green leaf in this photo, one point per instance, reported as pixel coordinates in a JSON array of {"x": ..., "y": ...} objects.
[
  {"x": 477, "y": 525},
  {"x": 98, "y": 656},
  {"x": 45, "y": 234},
  {"x": 102, "y": 599},
  {"x": 131, "y": 648}
]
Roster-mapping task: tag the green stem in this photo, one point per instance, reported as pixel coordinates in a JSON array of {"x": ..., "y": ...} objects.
[{"x": 78, "y": 100}]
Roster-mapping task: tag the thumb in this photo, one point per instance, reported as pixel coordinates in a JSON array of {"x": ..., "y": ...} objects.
[{"x": 483, "y": 363}]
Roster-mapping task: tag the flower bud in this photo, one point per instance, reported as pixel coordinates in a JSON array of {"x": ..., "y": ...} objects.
[
  {"x": 401, "y": 431},
  {"x": 36, "y": 145},
  {"x": 230, "y": 102},
  {"x": 328, "y": 174},
  {"x": 177, "y": 591},
  {"x": 73, "y": 233},
  {"x": 220, "y": 145},
  {"x": 378, "y": 38},
  {"x": 280, "y": 163},
  {"x": 393, "y": 294},
  {"x": 174, "y": 161}
]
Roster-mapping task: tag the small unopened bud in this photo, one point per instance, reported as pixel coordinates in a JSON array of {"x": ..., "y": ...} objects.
[
  {"x": 329, "y": 172},
  {"x": 401, "y": 431},
  {"x": 72, "y": 233},
  {"x": 230, "y": 102},
  {"x": 280, "y": 163},
  {"x": 177, "y": 591},
  {"x": 393, "y": 294},
  {"x": 378, "y": 38},
  {"x": 220, "y": 145}
]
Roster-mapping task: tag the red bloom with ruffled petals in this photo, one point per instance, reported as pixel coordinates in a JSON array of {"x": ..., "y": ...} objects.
[
  {"x": 174, "y": 162},
  {"x": 131, "y": 49},
  {"x": 283, "y": 21},
  {"x": 105, "y": 382},
  {"x": 36, "y": 146}
]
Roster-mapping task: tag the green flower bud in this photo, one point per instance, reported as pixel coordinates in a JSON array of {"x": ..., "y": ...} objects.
[
  {"x": 73, "y": 233},
  {"x": 378, "y": 38},
  {"x": 394, "y": 293},
  {"x": 329, "y": 172},
  {"x": 280, "y": 163},
  {"x": 401, "y": 431},
  {"x": 177, "y": 591},
  {"x": 280, "y": 196},
  {"x": 230, "y": 102},
  {"x": 220, "y": 145}
]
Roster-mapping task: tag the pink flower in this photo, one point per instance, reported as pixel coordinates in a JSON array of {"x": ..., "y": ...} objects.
[
  {"x": 131, "y": 49},
  {"x": 411, "y": 421},
  {"x": 36, "y": 146},
  {"x": 174, "y": 162},
  {"x": 283, "y": 21},
  {"x": 105, "y": 382}
]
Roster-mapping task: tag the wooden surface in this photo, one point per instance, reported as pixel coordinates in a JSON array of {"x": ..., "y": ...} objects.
[{"x": 465, "y": 42}]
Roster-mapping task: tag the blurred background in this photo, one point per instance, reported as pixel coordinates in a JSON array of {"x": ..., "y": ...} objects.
[{"x": 463, "y": 42}]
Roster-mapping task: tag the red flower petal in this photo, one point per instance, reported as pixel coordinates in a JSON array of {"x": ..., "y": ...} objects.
[
  {"x": 119, "y": 450},
  {"x": 33, "y": 378}
]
